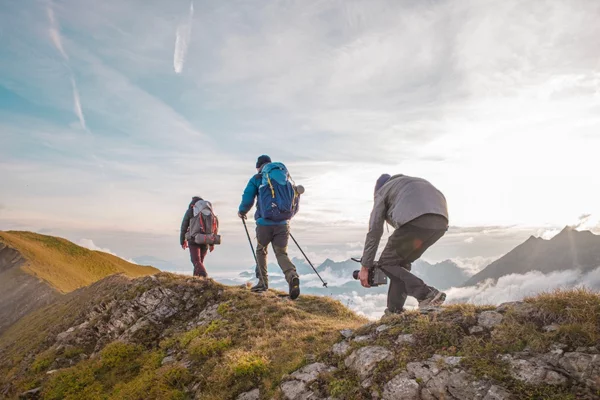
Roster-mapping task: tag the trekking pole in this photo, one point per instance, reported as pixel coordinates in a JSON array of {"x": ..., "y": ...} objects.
[
  {"x": 253, "y": 253},
  {"x": 313, "y": 267}
]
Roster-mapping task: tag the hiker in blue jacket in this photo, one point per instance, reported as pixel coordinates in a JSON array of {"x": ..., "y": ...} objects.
[{"x": 268, "y": 232}]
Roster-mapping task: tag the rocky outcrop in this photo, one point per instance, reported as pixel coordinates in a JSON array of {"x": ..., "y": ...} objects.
[
  {"x": 375, "y": 349},
  {"x": 298, "y": 385},
  {"x": 364, "y": 360},
  {"x": 141, "y": 319}
]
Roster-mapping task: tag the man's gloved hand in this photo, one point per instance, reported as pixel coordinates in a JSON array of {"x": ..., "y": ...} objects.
[
  {"x": 211, "y": 247},
  {"x": 184, "y": 245},
  {"x": 242, "y": 215},
  {"x": 363, "y": 275}
]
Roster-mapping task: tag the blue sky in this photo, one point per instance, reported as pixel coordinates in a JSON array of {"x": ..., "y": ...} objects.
[{"x": 113, "y": 114}]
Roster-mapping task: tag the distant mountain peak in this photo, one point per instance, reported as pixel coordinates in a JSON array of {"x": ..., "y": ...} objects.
[
  {"x": 328, "y": 263},
  {"x": 568, "y": 250}
]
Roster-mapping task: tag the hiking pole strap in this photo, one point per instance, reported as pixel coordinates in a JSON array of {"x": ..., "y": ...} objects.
[
  {"x": 313, "y": 267},
  {"x": 253, "y": 252}
]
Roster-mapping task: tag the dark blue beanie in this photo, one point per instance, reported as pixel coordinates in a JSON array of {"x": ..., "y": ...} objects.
[
  {"x": 262, "y": 160},
  {"x": 382, "y": 181}
]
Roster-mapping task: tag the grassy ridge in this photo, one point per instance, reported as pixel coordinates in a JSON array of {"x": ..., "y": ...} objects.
[
  {"x": 66, "y": 266},
  {"x": 254, "y": 342}
]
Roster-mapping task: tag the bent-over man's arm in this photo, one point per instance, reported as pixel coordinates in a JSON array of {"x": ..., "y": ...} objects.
[{"x": 375, "y": 231}]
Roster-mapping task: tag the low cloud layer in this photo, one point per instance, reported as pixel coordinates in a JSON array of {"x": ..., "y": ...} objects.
[
  {"x": 513, "y": 287},
  {"x": 517, "y": 286},
  {"x": 89, "y": 244}
]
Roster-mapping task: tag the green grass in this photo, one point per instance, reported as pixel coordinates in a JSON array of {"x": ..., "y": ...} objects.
[{"x": 66, "y": 266}]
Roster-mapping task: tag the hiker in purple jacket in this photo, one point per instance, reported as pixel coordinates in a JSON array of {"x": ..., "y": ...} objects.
[{"x": 419, "y": 214}]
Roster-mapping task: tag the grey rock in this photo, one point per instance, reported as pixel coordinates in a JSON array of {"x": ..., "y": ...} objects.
[
  {"x": 448, "y": 361},
  {"x": 401, "y": 387},
  {"x": 489, "y": 319},
  {"x": 346, "y": 333},
  {"x": 423, "y": 371},
  {"x": 497, "y": 393},
  {"x": 311, "y": 372},
  {"x": 589, "y": 350},
  {"x": 364, "y": 360},
  {"x": 296, "y": 390},
  {"x": 340, "y": 349},
  {"x": 461, "y": 385},
  {"x": 31, "y": 394},
  {"x": 367, "y": 383},
  {"x": 583, "y": 367},
  {"x": 519, "y": 308},
  {"x": 363, "y": 339},
  {"x": 436, "y": 387},
  {"x": 251, "y": 395},
  {"x": 534, "y": 372},
  {"x": 551, "y": 328},
  {"x": 53, "y": 371},
  {"x": 208, "y": 315},
  {"x": 476, "y": 330},
  {"x": 553, "y": 378},
  {"x": 167, "y": 360},
  {"x": 405, "y": 338},
  {"x": 382, "y": 328}
]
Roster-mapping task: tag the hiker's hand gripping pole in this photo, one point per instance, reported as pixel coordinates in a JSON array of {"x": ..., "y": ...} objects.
[{"x": 313, "y": 267}]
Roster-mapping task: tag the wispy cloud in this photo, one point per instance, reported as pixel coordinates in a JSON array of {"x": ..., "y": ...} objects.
[
  {"x": 55, "y": 32},
  {"x": 57, "y": 40},
  {"x": 77, "y": 104},
  {"x": 182, "y": 41}
]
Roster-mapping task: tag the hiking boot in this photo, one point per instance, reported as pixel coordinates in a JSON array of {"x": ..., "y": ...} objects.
[
  {"x": 294, "y": 288},
  {"x": 259, "y": 287},
  {"x": 434, "y": 298}
]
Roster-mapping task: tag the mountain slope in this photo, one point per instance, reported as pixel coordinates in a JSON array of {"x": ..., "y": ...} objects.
[
  {"x": 570, "y": 249},
  {"x": 443, "y": 275},
  {"x": 36, "y": 269},
  {"x": 175, "y": 337}
]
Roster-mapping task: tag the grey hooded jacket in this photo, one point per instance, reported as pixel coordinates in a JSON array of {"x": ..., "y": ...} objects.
[{"x": 401, "y": 200}]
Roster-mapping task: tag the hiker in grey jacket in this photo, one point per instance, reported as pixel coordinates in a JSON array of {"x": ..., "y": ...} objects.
[{"x": 419, "y": 214}]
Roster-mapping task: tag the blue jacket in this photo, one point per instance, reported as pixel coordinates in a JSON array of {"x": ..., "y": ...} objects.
[{"x": 248, "y": 199}]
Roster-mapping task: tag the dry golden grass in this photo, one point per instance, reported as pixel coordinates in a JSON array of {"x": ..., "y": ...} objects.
[{"x": 66, "y": 266}]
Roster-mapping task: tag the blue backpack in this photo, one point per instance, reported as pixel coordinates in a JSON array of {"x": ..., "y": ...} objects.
[{"x": 278, "y": 199}]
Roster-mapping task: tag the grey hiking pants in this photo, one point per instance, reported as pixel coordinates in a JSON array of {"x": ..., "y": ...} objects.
[
  {"x": 278, "y": 236},
  {"x": 406, "y": 245}
]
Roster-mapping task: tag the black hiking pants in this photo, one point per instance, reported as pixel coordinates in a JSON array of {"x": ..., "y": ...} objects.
[{"x": 406, "y": 245}]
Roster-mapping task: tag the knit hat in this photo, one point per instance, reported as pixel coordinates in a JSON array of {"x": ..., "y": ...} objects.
[
  {"x": 382, "y": 181},
  {"x": 262, "y": 160},
  {"x": 194, "y": 200}
]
